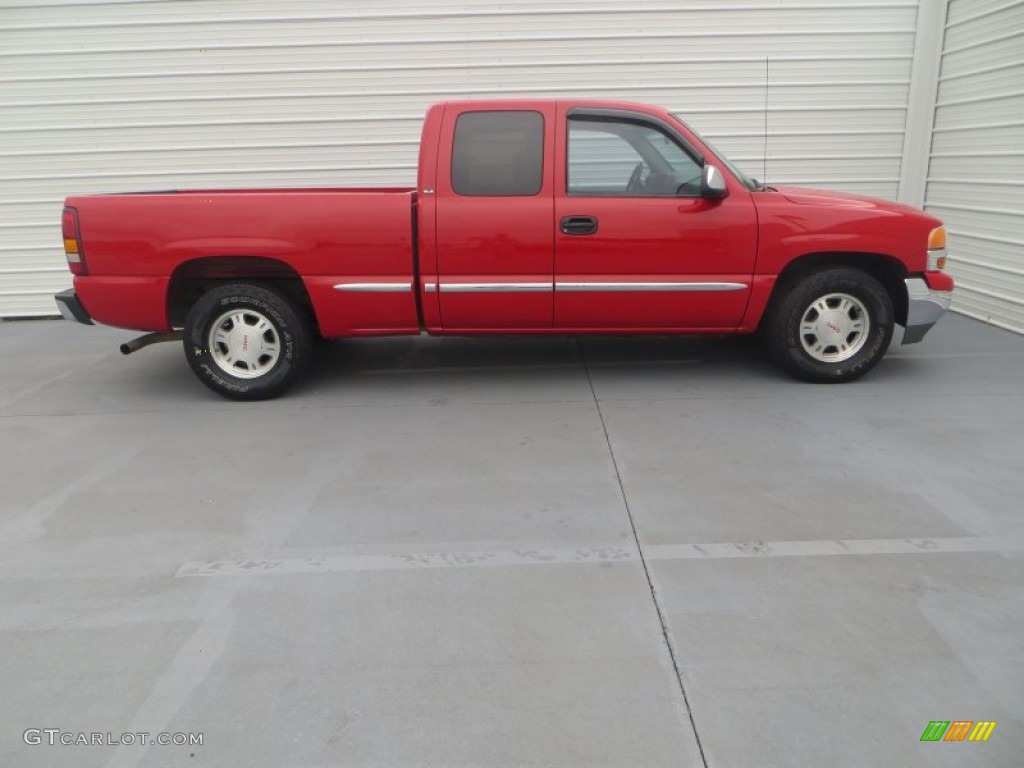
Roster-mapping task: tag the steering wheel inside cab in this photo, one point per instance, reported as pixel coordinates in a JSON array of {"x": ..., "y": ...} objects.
[{"x": 634, "y": 184}]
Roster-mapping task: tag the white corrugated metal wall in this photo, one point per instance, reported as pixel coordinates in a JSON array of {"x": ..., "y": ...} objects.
[
  {"x": 976, "y": 174},
  {"x": 121, "y": 96}
]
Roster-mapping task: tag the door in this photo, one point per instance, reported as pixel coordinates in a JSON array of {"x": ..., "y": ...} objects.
[
  {"x": 495, "y": 199},
  {"x": 636, "y": 246}
]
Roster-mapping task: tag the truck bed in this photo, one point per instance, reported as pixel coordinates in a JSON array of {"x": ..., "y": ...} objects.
[{"x": 328, "y": 238}]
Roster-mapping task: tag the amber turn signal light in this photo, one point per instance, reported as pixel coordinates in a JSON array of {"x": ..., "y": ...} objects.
[
  {"x": 72, "y": 241},
  {"x": 937, "y": 249}
]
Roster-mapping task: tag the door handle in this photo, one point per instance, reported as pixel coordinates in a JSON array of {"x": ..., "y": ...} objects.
[{"x": 579, "y": 225}]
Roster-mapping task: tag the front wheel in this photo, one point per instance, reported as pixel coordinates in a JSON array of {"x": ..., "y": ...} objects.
[
  {"x": 246, "y": 342},
  {"x": 832, "y": 325}
]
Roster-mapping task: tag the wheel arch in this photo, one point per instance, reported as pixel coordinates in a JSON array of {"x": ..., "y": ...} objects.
[
  {"x": 888, "y": 270},
  {"x": 191, "y": 279}
]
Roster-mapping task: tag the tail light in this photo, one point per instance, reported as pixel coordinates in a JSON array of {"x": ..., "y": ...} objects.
[
  {"x": 937, "y": 249},
  {"x": 73, "y": 242}
]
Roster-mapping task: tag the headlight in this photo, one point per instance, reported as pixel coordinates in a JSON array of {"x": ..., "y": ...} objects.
[{"x": 937, "y": 249}]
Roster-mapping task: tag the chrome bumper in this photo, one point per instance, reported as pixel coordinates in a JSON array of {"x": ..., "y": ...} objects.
[{"x": 924, "y": 308}]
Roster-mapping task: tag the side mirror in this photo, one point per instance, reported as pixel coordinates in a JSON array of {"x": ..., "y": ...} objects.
[{"x": 712, "y": 183}]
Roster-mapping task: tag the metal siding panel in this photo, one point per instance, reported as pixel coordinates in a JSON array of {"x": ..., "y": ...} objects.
[
  {"x": 975, "y": 192},
  {"x": 977, "y": 160},
  {"x": 129, "y": 95}
]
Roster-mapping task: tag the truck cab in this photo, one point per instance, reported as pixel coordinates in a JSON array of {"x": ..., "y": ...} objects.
[{"x": 558, "y": 217}]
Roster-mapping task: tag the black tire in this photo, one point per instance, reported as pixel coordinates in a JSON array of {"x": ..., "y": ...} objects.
[
  {"x": 262, "y": 350},
  {"x": 812, "y": 327}
]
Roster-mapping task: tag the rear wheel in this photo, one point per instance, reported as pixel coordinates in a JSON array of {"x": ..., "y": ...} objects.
[
  {"x": 832, "y": 325},
  {"x": 246, "y": 342}
]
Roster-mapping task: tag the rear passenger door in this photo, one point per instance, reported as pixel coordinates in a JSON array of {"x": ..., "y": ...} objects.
[{"x": 495, "y": 208}]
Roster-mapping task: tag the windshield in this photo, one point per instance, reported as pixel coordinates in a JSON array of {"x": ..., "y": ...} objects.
[{"x": 748, "y": 182}]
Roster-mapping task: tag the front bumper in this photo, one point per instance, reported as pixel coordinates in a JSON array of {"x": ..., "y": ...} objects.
[
  {"x": 924, "y": 308},
  {"x": 71, "y": 308}
]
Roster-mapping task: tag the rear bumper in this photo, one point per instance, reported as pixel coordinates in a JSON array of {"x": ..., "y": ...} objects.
[
  {"x": 71, "y": 308},
  {"x": 924, "y": 308}
]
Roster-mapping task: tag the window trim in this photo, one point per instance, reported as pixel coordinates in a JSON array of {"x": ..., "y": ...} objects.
[{"x": 641, "y": 118}]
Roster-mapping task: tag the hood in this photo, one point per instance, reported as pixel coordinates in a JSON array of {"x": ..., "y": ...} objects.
[{"x": 835, "y": 199}]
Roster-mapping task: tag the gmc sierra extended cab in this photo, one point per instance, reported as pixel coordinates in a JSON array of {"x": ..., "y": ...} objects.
[{"x": 528, "y": 217}]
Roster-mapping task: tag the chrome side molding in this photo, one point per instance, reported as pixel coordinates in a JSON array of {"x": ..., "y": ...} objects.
[
  {"x": 374, "y": 287},
  {"x": 495, "y": 287},
  {"x": 574, "y": 287},
  {"x": 534, "y": 287}
]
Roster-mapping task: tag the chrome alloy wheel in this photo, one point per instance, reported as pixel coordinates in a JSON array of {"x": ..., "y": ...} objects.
[
  {"x": 244, "y": 343},
  {"x": 834, "y": 327}
]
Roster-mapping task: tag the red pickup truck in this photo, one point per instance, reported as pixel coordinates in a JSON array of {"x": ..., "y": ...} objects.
[{"x": 528, "y": 217}]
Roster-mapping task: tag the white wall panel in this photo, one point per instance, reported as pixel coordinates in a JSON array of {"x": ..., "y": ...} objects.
[
  {"x": 976, "y": 173},
  {"x": 132, "y": 95}
]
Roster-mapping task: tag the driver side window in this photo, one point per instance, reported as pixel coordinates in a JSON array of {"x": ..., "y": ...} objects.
[{"x": 620, "y": 158}]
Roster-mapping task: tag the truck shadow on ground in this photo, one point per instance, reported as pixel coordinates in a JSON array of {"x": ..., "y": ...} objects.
[
  {"x": 426, "y": 366},
  {"x": 336, "y": 360}
]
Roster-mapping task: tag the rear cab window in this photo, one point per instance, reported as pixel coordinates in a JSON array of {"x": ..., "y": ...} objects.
[{"x": 498, "y": 154}]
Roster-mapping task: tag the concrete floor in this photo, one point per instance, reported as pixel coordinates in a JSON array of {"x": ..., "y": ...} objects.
[{"x": 427, "y": 555}]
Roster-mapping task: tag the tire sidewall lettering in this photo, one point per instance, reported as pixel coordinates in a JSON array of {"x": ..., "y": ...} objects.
[{"x": 221, "y": 382}]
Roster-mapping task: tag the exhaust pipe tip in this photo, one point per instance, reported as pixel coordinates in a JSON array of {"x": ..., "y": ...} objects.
[{"x": 150, "y": 338}]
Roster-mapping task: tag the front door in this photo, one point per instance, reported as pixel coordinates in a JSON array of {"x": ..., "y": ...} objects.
[
  {"x": 636, "y": 246},
  {"x": 495, "y": 191}
]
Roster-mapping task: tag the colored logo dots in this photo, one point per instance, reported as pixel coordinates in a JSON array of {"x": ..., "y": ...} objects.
[{"x": 958, "y": 730}]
